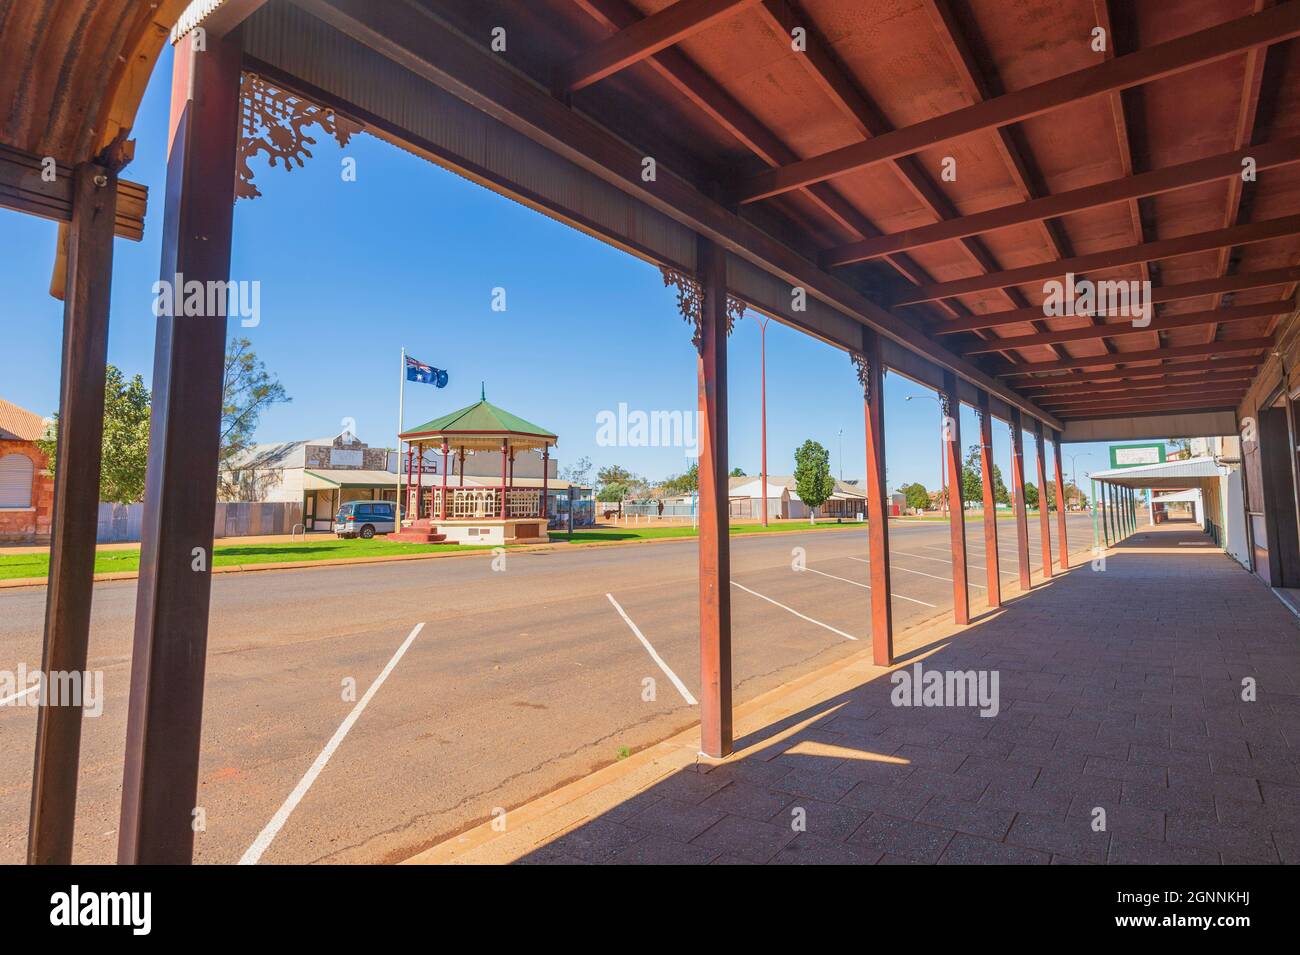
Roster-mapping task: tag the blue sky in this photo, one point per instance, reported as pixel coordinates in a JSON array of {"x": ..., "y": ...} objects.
[{"x": 409, "y": 255}]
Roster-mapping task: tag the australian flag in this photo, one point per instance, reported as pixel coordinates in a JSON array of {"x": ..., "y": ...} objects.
[{"x": 427, "y": 374}]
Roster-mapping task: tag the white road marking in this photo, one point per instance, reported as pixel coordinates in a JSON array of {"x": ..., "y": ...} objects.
[
  {"x": 668, "y": 671},
  {"x": 943, "y": 550},
  {"x": 858, "y": 583},
  {"x": 920, "y": 573},
  {"x": 263, "y": 841},
  {"x": 824, "y": 626},
  {"x": 18, "y": 696}
]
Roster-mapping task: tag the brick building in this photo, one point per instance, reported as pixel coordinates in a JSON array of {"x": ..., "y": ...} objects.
[{"x": 26, "y": 484}]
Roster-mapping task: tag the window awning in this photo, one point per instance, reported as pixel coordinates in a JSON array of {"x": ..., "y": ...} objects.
[
  {"x": 324, "y": 479},
  {"x": 1171, "y": 474}
]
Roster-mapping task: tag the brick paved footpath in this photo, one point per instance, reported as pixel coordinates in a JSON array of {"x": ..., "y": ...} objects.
[{"x": 1119, "y": 691}]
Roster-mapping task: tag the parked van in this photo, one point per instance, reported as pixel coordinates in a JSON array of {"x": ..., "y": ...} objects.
[{"x": 365, "y": 519}]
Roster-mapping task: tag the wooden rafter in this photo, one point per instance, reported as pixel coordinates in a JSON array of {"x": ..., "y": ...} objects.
[
  {"x": 1165, "y": 293},
  {"x": 1134, "y": 409},
  {"x": 1112, "y": 258},
  {"x": 1188, "y": 384},
  {"x": 1153, "y": 372},
  {"x": 1225, "y": 391},
  {"x": 1165, "y": 323},
  {"x": 1198, "y": 171},
  {"x": 1119, "y": 113},
  {"x": 1166, "y": 59},
  {"x": 977, "y": 90},
  {"x": 783, "y": 16},
  {"x": 1155, "y": 354},
  {"x": 1247, "y": 112},
  {"x": 721, "y": 107},
  {"x": 646, "y": 37}
]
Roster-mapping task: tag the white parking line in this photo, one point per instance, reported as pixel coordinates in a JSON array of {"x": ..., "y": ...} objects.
[
  {"x": 824, "y": 626},
  {"x": 902, "y": 553},
  {"x": 919, "y": 573},
  {"x": 858, "y": 583},
  {"x": 681, "y": 687},
  {"x": 263, "y": 841}
]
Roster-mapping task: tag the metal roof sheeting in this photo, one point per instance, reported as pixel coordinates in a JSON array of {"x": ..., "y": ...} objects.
[{"x": 1171, "y": 474}]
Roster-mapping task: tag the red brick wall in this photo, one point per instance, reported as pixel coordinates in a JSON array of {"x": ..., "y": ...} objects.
[{"x": 29, "y": 526}]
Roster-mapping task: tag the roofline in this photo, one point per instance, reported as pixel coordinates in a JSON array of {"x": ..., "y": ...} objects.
[{"x": 441, "y": 431}]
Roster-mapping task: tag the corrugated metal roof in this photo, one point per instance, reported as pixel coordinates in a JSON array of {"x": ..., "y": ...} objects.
[
  {"x": 75, "y": 70},
  {"x": 1187, "y": 473},
  {"x": 480, "y": 418}
]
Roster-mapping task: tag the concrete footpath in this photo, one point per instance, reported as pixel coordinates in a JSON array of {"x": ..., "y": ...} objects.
[{"x": 1147, "y": 711}]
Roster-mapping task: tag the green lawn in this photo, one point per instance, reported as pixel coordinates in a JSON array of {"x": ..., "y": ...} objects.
[{"x": 111, "y": 561}]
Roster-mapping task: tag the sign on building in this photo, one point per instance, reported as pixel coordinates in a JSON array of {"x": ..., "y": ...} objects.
[
  {"x": 1136, "y": 455},
  {"x": 340, "y": 458}
]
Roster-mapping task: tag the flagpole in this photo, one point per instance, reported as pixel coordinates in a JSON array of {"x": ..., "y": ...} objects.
[{"x": 401, "y": 400}]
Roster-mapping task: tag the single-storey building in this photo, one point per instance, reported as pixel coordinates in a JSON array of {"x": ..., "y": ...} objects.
[
  {"x": 319, "y": 473},
  {"x": 26, "y": 482},
  {"x": 847, "y": 500}
]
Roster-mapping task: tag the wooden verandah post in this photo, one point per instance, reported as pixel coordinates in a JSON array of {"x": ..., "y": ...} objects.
[
  {"x": 1018, "y": 493},
  {"x": 76, "y": 509},
  {"x": 951, "y": 406},
  {"x": 165, "y": 712},
  {"x": 715, "y": 545},
  {"x": 1044, "y": 514},
  {"x": 871, "y": 375},
  {"x": 1062, "y": 545},
  {"x": 993, "y": 573}
]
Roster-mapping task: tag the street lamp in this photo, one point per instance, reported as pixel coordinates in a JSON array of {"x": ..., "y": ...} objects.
[
  {"x": 1074, "y": 469},
  {"x": 943, "y": 470},
  {"x": 841, "y": 455}
]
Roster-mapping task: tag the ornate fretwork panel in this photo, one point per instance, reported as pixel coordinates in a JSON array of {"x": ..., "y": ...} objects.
[
  {"x": 863, "y": 365},
  {"x": 273, "y": 121},
  {"x": 690, "y": 302}
]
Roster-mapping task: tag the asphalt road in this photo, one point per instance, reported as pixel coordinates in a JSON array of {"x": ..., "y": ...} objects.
[{"x": 519, "y": 680}]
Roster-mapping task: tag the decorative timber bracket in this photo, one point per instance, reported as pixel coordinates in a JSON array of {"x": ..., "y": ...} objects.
[
  {"x": 863, "y": 365},
  {"x": 690, "y": 302},
  {"x": 273, "y": 120}
]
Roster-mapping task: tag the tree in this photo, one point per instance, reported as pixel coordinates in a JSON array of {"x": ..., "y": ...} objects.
[
  {"x": 612, "y": 492},
  {"x": 613, "y": 474},
  {"x": 1031, "y": 496},
  {"x": 1075, "y": 496},
  {"x": 247, "y": 390},
  {"x": 812, "y": 475},
  {"x": 686, "y": 483},
  {"x": 737, "y": 472},
  {"x": 125, "y": 452},
  {"x": 916, "y": 496},
  {"x": 577, "y": 472},
  {"x": 972, "y": 479}
]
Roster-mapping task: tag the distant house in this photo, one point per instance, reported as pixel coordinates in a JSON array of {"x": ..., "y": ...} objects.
[
  {"x": 848, "y": 500},
  {"x": 26, "y": 484},
  {"x": 318, "y": 473}
]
